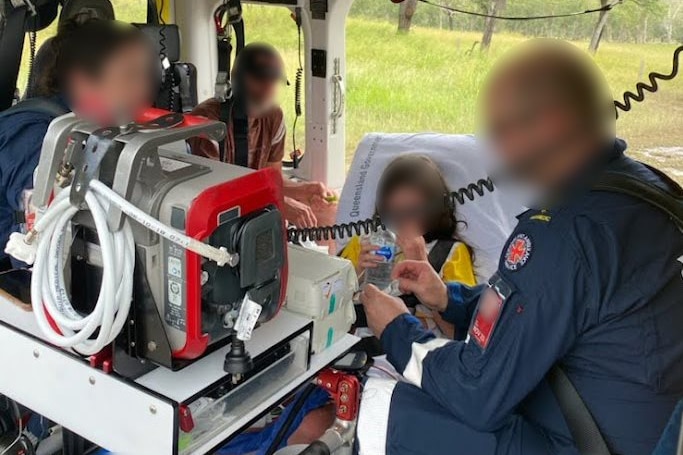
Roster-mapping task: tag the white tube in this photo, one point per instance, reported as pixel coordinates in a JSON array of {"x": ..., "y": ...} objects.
[{"x": 48, "y": 289}]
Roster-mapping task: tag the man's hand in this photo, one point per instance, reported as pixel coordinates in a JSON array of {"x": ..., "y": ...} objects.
[
  {"x": 380, "y": 308},
  {"x": 419, "y": 278},
  {"x": 413, "y": 247},
  {"x": 310, "y": 192},
  {"x": 299, "y": 214}
]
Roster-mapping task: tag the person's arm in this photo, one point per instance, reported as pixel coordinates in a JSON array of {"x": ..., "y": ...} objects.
[
  {"x": 204, "y": 147},
  {"x": 525, "y": 321},
  {"x": 462, "y": 303}
]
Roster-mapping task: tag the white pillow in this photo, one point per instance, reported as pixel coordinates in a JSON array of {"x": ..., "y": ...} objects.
[{"x": 490, "y": 218}]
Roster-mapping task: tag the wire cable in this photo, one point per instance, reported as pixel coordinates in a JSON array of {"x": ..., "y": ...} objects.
[
  {"x": 298, "y": 86},
  {"x": 631, "y": 98},
  {"x": 336, "y": 231},
  {"x": 55, "y": 315},
  {"x": 452, "y": 9}
]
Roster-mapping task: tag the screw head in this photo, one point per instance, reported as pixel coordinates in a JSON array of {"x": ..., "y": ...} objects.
[
  {"x": 91, "y": 380},
  {"x": 151, "y": 346},
  {"x": 36, "y": 353},
  {"x": 152, "y": 409}
]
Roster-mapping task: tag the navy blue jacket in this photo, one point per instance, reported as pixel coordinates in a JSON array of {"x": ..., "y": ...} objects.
[
  {"x": 594, "y": 284},
  {"x": 21, "y": 138}
]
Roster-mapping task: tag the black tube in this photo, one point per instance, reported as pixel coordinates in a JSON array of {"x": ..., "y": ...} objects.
[{"x": 290, "y": 418}]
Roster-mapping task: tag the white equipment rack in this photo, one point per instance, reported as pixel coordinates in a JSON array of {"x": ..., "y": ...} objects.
[{"x": 142, "y": 416}]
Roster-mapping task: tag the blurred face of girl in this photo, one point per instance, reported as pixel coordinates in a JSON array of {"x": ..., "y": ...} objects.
[
  {"x": 406, "y": 209},
  {"x": 120, "y": 90}
]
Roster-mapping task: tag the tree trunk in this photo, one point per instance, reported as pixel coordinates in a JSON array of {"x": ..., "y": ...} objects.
[
  {"x": 495, "y": 7},
  {"x": 599, "y": 28},
  {"x": 451, "y": 25},
  {"x": 405, "y": 15}
]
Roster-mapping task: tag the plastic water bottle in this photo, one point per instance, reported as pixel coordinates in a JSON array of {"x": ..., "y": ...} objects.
[{"x": 380, "y": 276}]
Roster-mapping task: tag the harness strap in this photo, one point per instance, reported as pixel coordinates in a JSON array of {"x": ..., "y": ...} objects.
[
  {"x": 582, "y": 426},
  {"x": 670, "y": 200},
  {"x": 233, "y": 106},
  {"x": 439, "y": 253}
]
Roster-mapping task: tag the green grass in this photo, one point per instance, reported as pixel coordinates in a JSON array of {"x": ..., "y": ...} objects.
[{"x": 428, "y": 80}]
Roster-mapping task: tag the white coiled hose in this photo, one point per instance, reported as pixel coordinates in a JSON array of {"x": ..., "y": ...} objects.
[{"x": 48, "y": 291}]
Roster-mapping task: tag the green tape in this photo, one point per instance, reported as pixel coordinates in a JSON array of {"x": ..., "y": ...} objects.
[
  {"x": 330, "y": 337},
  {"x": 333, "y": 304}
]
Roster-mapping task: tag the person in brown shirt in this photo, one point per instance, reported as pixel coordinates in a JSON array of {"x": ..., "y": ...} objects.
[{"x": 262, "y": 71}]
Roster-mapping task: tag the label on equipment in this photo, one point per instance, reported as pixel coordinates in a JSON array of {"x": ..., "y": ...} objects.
[
  {"x": 171, "y": 165},
  {"x": 175, "y": 307},
  {"x": 247, "y": 319}
]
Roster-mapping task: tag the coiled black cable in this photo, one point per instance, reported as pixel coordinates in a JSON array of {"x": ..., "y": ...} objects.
[
  {"x": 642, "y": 87},
  {"x": 298, "y": 86},
  {"x": 31, "y": 58},
  {"x": 338, "y": 231},
  {"x": 480, "y": 187}
]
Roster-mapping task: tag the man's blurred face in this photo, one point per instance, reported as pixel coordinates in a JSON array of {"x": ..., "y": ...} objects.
[
  {"x": 120, "y": 91},
  {"x": 545, "y": 114},
  {"x": 525, "y": 128},
  {"x": 261, "y": 94}
]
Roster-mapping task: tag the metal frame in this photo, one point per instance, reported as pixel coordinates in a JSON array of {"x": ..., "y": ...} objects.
[
  {"x": 324, "y": 159},
  {"x": 132, "y": 417}
]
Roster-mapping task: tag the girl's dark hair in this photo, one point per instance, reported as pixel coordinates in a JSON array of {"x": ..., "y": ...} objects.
[
  {"x": 82, "y": 45},
  {"x": 421, "y": 172}
]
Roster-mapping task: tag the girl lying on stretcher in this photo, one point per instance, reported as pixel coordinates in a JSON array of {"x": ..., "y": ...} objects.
[{"x": 412, "y": 200}]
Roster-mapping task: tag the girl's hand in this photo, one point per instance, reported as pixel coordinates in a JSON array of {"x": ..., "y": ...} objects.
[
  {"x": 413, "y": 247},
  {"x": 367, "y": 258}
]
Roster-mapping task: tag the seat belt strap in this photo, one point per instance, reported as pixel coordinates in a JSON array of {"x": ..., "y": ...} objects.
[
  {"x": 240, "y": 131},
  {"x": 439, "y": 253},
  {"x": 11, "y": 47},
  {"x": 669, "y": 201},
  {"x": 225, "y": 116},
  {"x": 585, "y": 432}
]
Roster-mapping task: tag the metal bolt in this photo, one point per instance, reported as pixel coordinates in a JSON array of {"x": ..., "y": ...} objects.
[
  {"x": 36, "y": 353},
  {"x": 91, "y": 380},
  {"x": 204, "y": 277},
  {"x": 152, "y": 409},
  {"x": 151, "y": 346},
  {"x": 132, "y": 344}
]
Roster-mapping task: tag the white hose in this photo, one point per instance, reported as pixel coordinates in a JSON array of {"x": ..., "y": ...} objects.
[{"x": 48, "y": 290}]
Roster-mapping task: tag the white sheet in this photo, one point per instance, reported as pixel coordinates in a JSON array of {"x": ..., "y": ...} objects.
[{"x": 489, "y": 219}]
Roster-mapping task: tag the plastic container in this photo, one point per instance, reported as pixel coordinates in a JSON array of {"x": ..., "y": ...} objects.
[{"x": 385, "y": 241}]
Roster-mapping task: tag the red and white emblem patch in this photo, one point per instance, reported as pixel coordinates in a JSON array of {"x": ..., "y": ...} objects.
[{"x": 518, "y": 252}]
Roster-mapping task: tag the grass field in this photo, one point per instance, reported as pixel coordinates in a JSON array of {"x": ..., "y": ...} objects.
[{"x": 428, "y": 80}]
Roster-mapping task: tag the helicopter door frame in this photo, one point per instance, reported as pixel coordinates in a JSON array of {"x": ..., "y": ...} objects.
[{"x": 324, "y": 75}]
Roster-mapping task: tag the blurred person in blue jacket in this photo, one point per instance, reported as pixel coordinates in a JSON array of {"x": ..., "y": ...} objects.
[
  {"x": 588, "y": 280},
  {"x": 100, "y": 69}
]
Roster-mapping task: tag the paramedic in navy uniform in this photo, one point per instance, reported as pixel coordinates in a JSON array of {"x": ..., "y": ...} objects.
[{"x": 592, "y": 282}]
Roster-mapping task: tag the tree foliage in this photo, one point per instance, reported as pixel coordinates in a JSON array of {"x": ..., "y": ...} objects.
[{"x": 634, "y": 21}]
